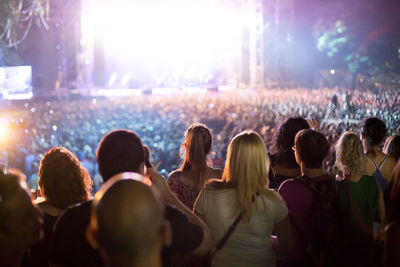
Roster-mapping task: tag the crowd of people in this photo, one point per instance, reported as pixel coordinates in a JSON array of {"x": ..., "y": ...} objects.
[
  {"x": 79, "y": 125},
  {"x": 283, "y": 177}
]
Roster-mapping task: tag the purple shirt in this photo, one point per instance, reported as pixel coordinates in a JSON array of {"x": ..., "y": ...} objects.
[{"x": 299, "y": 201}]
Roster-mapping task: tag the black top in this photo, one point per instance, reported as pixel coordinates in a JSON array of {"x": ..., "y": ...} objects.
[
  {"x": 69, "y": 246},
  {"x": 275, "y": 179},
  {"x": 37, "y": 255}
]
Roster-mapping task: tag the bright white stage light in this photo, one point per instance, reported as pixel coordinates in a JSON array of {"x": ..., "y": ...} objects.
[
  {"x": 4, "y": 131},
  {"x": 166, "y": 40},
  {"x": 125, "y": 79},
  {"x": 112, "y": 79}
]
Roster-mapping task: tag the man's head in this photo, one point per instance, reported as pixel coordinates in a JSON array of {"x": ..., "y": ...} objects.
[
  {"x": 311, "y": 148},
  {"x": 120, "y": 151},
  {"x": 127, "y": 224}
]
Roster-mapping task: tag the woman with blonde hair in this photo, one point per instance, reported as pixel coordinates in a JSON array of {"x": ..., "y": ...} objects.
[
  {"x": 241, "y": 210},
  {"x": 187, "y": 181},
  {"x": 359, "y": 194},
  {"x": 63, "y": 181}
]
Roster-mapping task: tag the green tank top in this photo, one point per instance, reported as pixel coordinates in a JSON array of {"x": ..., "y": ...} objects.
[{"x": 360, "y": 201}]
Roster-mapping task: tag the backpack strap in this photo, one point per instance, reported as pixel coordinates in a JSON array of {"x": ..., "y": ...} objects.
[{"x": 312, "y": 185}]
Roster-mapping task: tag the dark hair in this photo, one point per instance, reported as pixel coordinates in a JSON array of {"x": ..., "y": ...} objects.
[
  {"x": 198, "y": 142},
  {"x": 312, "y": 148},
  {"x": 119, "y": 151},
  {"x": 147, "y": 162},
  {"x": 373, "y": 131},
  {"x": 62, "y": 178},
  {"x": 284, "y": 140}
]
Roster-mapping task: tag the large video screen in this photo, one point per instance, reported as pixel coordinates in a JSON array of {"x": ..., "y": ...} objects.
[{"x": 16, "y": 82}]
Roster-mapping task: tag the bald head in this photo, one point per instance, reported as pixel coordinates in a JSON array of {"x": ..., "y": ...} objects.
[{"x": 130, "y": 221}]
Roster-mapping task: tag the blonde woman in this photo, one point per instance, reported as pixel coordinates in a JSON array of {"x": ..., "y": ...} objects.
[
  {"x": 244, "y": 190},
  {"x": 359, "y": 194},
  {"x": 187, "y": 181}
]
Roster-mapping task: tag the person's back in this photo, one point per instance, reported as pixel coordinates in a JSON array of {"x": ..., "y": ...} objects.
[
  {"x": 248, "y": 245},
  {"x": 360, "y": 195},
  {"x": 376, "y": 163},
  {"x": 189, "y": 179},
  {"x": 360, "y": 200},
  {"x": 243, "y": 194},
  {"x": 69, "y": 246},
  {"x": 313, "y": 205},
  {"x": 392, "y": 229},
  {"x": 380, "y": 166},
  {"x": 182, "y": 184}
]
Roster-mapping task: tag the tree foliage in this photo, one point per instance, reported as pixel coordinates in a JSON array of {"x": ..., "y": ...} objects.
[
  {"x": 16, "y": 19},
  {"x": 362, "y": 35}
]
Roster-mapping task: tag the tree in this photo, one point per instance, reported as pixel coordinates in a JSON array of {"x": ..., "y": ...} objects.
[
  {"x": 360, "y": 35},
  {"x": 16, "y": 19}
]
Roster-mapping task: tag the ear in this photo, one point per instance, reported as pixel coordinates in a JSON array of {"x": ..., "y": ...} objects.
[
  {"x": 142, "y": 168},
  {"x": 298, "y": 158},
  {"x": 91, "y": 236},
  {"x": 167, "y": 234}
]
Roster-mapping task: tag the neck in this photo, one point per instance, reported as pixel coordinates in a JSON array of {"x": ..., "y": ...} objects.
[
  {"x": 311, "y": 172},
  {"x": 369, "y": 148}
]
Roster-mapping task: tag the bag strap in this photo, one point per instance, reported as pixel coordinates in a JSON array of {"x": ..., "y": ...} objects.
[
  {"x": 311, "y": 184},
  {"x": 228, "y": 233}
]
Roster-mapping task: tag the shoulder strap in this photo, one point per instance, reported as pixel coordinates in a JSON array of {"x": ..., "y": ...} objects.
[
  {"x": 228, "y": 233},
  {"x": 383, "y": 161},
  {"x": 373, "y": 163}
]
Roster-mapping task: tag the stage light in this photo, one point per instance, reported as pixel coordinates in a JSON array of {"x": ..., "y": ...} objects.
[
  {"x": 112, "y": 79},
  {"x": 125, "y": 79},
  {"x": 4, "y": 131},
  {"x": 177, "y": 39}
]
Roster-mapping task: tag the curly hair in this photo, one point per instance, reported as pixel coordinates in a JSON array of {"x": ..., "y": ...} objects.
[
  {"x": 63, "y": 181},
  {"x": 284, "y": 140},
  {"x": 350, "y": 154}
]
